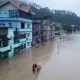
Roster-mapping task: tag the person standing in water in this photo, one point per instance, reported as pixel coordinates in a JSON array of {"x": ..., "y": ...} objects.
[{"x": 36, "y": 67}]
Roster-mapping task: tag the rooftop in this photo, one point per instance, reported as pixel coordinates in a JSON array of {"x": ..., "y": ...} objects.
[{"x": 17, "y": 4}]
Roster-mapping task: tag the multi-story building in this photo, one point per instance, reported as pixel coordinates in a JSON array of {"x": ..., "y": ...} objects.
[
  {"x": 15, "y": 28},
  {"x": 48, "y": 29},
  {"x": 36, "y": 31},
  {"x": 43, "y": 29}
]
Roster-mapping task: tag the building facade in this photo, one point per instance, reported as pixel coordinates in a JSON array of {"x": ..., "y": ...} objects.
[
  {"x": 48, "y": 29},
  {"x": 43, "y": 30},
  {"x": 15, "y": 28},
  {"x": 36, "y": 38}
]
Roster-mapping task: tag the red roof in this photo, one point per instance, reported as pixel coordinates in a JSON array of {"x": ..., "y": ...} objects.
[
  {"x": 17, "y": 3},
  {"x": 25, "y": 7}
]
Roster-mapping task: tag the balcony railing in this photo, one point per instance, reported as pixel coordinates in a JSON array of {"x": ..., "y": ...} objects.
[
  {"x": 4, "y": 38},
  {"x": 22, "y": 36},
  {"x": 5, "y": 49},
  {"x": 3, "y": 30},
  {"x": 18, "y": 35}
]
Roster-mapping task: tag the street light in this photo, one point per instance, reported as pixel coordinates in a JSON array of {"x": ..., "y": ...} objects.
[{"x": 58, "y": 45}]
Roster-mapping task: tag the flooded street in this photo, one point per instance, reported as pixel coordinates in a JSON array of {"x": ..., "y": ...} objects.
[
  {"x": 60, "y": 60},
  {"x": 64, "y": 65}
]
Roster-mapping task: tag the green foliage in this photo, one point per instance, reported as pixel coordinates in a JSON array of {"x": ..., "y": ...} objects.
[
  {"x": 68, "y": 28},
  {"x": 60, "y": 16}
]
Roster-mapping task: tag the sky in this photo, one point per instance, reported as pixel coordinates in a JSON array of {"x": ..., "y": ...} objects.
[{"x": 71, "y": 5}]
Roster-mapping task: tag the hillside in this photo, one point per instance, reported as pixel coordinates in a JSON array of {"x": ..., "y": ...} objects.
[{"x": 61, "y": 16}]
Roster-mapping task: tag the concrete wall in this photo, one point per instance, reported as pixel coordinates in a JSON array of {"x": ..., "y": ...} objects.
[
  {"x": 4, "y": 13},
  {"x": 8, "y": 6},
  {"x": 14, "y": 24}
]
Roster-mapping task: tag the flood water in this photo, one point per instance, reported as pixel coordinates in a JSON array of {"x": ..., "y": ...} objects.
[
  {"x": 59, "y": 59},
  {"x": 64, "y": 65}
]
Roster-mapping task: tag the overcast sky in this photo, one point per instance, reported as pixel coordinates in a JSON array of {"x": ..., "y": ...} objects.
[{"x": 71, "y": 5}]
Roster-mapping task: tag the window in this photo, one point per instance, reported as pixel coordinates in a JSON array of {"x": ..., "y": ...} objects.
[
  {"x": 0, "y": 43},
  {"x": 33, "y": 27},
  {"x": 10, "y": 24},
  {"x": 41, "y": 32},
  {"x": 42, "y": 27},
  {"x": 10, "y": 47},
  {"x": 16, "y": 40},
  {"x": 5, "y": 44},
  {"x": 22, "y": 36},
  {"x": 24, "y": 46},
  {"x": 5, "y": 13},
  {"x": 36, "y": 33},
  {"x": 28, "y": 26},
  {"x": 13, "y": 13},
  {"x": 49, "y": 32},
  {"x": 28, "y": 43},
  {"x": 28, "y": 34},
  {"x": 3, "y": 24},
  {"x": 0, "y": 12},
  {"x": 22, "y": 25},
  {"x": 33, "y": 34}
]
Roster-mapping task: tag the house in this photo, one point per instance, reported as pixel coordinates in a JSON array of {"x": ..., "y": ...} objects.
[
  {"x": 15, "y": 28},
  {"x": 43, "y": 29},
  {"x": 48, "y": 29},
  {"x": 36, "y": 38}
]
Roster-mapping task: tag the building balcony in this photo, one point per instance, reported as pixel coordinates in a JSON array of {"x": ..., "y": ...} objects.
[
  {"x": 4, "y": 38},
  {"x": 16, "y": 19},
  {"x": 18, "y": 35},
  {"x": 3, "y": 31},
  {"x": 16, "y": 45},
  {"x": 5, "y": 49},
  {"x": 25, "y": 30}
]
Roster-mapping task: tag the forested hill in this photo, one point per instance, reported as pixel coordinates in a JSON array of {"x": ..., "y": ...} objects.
[{"x": 61, "y": 16}]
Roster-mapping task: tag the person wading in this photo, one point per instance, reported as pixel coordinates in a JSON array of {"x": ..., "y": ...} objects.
[{"x": 36, "y": 67}]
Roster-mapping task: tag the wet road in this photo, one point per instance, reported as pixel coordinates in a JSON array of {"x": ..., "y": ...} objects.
[{"x": 55, "y": 66}]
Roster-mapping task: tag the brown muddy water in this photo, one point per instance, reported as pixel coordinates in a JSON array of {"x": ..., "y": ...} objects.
[{"x": 59, "y": 59}]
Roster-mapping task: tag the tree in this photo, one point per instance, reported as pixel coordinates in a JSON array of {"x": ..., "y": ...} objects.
[{"x": 67, "y": 28}]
